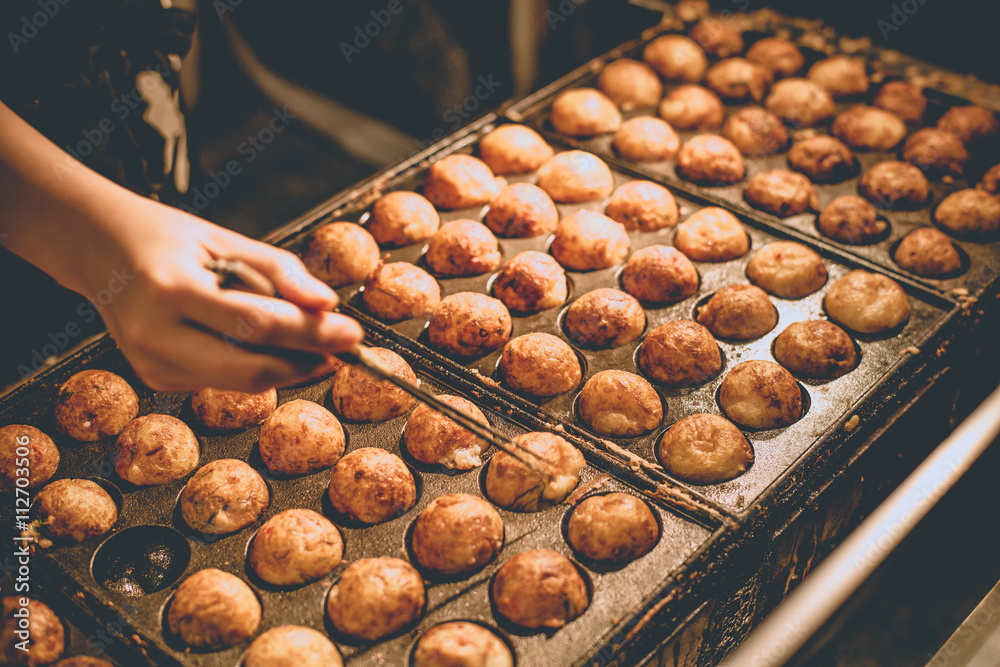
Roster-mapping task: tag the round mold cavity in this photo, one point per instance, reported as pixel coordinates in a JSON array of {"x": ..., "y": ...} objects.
[
  {"x": 561, "y": 323},
  {"x": 678, "y": 387},
  {"x": 664, "y": 408},
  {"x": 498, "y": 375},
  {"x": 703, "y": 301},
  {"x": 602, "y": 567},
  {"x": 963, "y": 258},
  {"x": 806, "y": 404},
  {"x": 342, "y": 521},
  {"x": 436, "y": 577},
  {"x": 141, "y": 560},
  {"x": 743, "y": 429},
  {"x": 514, "y": 629},
  {"x": 502, "y": 636},
  {"x": 817, "y": 380}
]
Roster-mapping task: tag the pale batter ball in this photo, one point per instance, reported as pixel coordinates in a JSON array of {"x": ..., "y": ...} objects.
[
  {"x": 717, "y": 37},
  {"x": 539, "y": 589},
  {"x": 928, "y": 252},
  {"x": 295, "y": 547},
  {"x": 94, "y": 404},
  {"x": 676, "y": 58},
  {"x": 903, "y": 99},
  {"x": 584, "y": 112},
  {"x": 681, "y": 354},
  {"x": 375, "y": 598},
  {"x": 800, "y": 102},
  {"x": 969, "y": 123},
  {"x": 514, "y": 149},
  {"x": 780, "y": 56},
  {"x": 575, "y": 176},
  {"x": 431, "y": 437},
  {"x": 867, "y": 303},
  {"x": 156, "y": 449},
  {"x": 969, "y": 213},
  {"x": 708, "y": 159},
  {"x": 815, "y": 348},
  {"x": 630, "y": 84},
  {"x": 224, "y": 410},
  {"x": 214, "y": 610},
  {"x": 513, "y": 486},
  {"x": 460, "y": 181},
  {"x": 646, "y": 138},
  {"x": 531, "y": 281},
  {"x": 853, "y": 220},
  {"x": 522, "y": 210},
  {"x": 620, "y": 404},
  {"x": 587, "y": 240},
  {"x": 691, "y": 108},
  {"x": 894, "y": 184},
  {"x": 400, "y": 218},
  {"x": 738, "y": 312},
  {"x": 461, "y": 644},
  {"x": 660, "y": 274},
  {"x": 756, "y": 131},
  {"x": 612, "y": 528},
  {"x": 936, "y": 151},
  {"x": 292, "y": 646},
  {"x": 781, "y": 192},
  {"x": 457, "y": 534},
  {"x": 224, "y": 496},
  {"x": 47, "y": 635},
  {"x": 300, "y": 438},
  {"x": 843, "y": 76},
  {"x": 786, "y": 269},
  {"x": 20, "y": 441},
  {"x": 462, "y": 248},
  {"x": 73, "y": 509},
  {"x": 642, "y": 205},
  {"x": 712, "y": 234},
  {"x": 540, "y": 364},
  {"x": 371, "y": 485},
  {"x": 359, "y": 396},
  {"x": 705, "y": 449},
  {"x": 738, "y": 79},
  {"x": 869, "y": 128},
  {"x": 400, "y": 291},
  {"x": 761, "y": 395},
  {"x": 469, "y": 324},
  {"x": 341, "y": 253},
  {"x": 822, "y": 158},
  {"x": 604, "y": 317}
]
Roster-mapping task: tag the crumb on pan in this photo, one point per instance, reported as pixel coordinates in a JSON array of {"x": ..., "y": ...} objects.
[
  {"x": 852, "y": 423},
  {"x": 960, "y": 291},
  {"x": 913, "y": 349}
]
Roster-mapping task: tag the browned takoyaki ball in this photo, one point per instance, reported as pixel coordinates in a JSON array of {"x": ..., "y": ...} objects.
[
  {"x": 676, "y": 58},
  {"x": 604, "y": 317},
  {"x": 431, "y": 437},
  {"x": 869, "y": 128},
  {"x": 575, "y": 176},
  {"x": 778, "y": 55},
  {"x": 843, "y": 76},
  {"x": 583, "y": 112},
  {"x": 712, "y": 234},
  {"x": 522, "y": 210},
  {"x": 680, "y": 353},
  {"x": 539, "y": 589},
  {"x": 46, "y": 634},
  {"x": 224, "y": 410},
  {"x": 460, "y": 181},
  {"x": 74, "y": 509},
  {"x": 894, "y": 184},
  {"x": 588, "y": 240},
  {"x": 301, "y": 437},
  {"x": 462, "y": 248},
  {"x": 760, "y": 394},
  {"x": 705, "y": 449},
  {"x": 400, "y": 218},
  {"x": 341, "y": 253},
  {"x": 709, "y": 159},
  {"x": 461, "y": 644},
  {"x": 822, "y": 158},
  {"x": 630, "y": 84},
  {"x": 292, "y": 646},
  {"x": 513, "y": 486},
  {"x": 739, "y": 79},
  {"x": 531, "y": 281},
  {"x": 800, "y": 102},
  {"x": 295, "y": 547},
  {"x": 612, "y": 528},
  {"x": 927, "y": 252},
  {"x": 514, "y": 149},
  {"x": 738, "y": 312},
  {"x": 991, "y": 180},
  {"x": 717, "y": 37},
  {"x": 156, "y": 449},
  {"x": 867, "y": 303},
  {"x": 969, "y": 123},
  {"x": 903, "y": 99},
  {"x": 19, "y": 442},
  {"x": 642, "y": 205},
  {"x": 786, "y": 269},
  {"x": 781, "y": 192},
  {"x": 358, "y": 396},
  {"x": 375, "y": 598},
  {"x": 936, "y": 151},
  {"x": 93, "y": 404},
  {"x": 756, "y": 131},
  {"x": 646, "y": 138},
  {"x": 540, "y": 364},
  {"x": 620, "y": 404},
  {"x": 851, "y": 219},
  {"x": 224, "y": 496},
  {"x": 660, "y": 274},
  {"x": 469, "y": 324},
  {"x": 457, "y": 534},
  {"x": 400, "y": 291},
  {"x": 371, "y": 485},
  {"x": 969, "y": 213},
  {"x": 692, "y": 108},
  {"x": 815, "y": 348},
  {"x": 213, "y": 609}
]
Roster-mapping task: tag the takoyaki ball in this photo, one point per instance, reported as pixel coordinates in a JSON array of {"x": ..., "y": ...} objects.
[
  {"x": 691, "y": 10},
  {"x": 461, "y": 644},
  {"x": 514, "y": 149},
  {"x": 786, "y": 269},
  {"x": 738, "y": 312},
  {"x": 575, "y": 176},
  {"x": 156, "y": 449},
  {"x": 47, "y": 638},
  {"x": 756, "y": 131},
  {"x": 531, "y": 281},
  {"x": 708, "y": 159},
  {"x": 20, "y": 441},
  {"x": 642, "y": 205},
  {"x": 612, "y": 528},
  {"x": 815, "y": 348},
  {"x": 224, "y": 410},
  {"x": 513, "y": 486},
  {"x": 630, "y": 84},
  {"x": 936, "y": 151},
  {"x": 705, "y": 449},
  {"x": 74, "y": 509},
  {"x": 969, "y": 123},
  {"x": 371, "y": 485},
  {"x": 431, "y": 437},
  {"x": 739, "y": 79},
  {"x": 358, "y": 396},
  {"x": 822, "y": 158},
  {"x": 522, "y": 210},
  {"x": 341, "y": 253},
  {"x": 681, "y": 354},
  {"x": 460, "y": 181},
  {"x": 540, "y": 364},
  {"x": 780, "y": 56},
  {"x": 712, "y": 234},
  {"x": 457, "y": 534},
  {"x": 867, "y": 303},
  {"x": 781, "y": 192},
  {"x": 400, "y": 291},
  {"x": 376, "y": 597},
  {"x": 539, "y": 589},
  {"x": 717, "y": 38},
  {"x": 660, "y": 274},
  {"x": 969, "y": 213},
  {"x": 893, "y": 184},
  {"x": 692, "y": 108},
  {"x": 646, "y": 138},
  {"x": 869, "y": 128},
  {"x": 213, "y": 609},
  {"x": 842, "y": 75},
  {"x": 295, "y": 547},
  {"x": 301, "y": 437},
  {"x": 469, "y": 324},
  {"x": 604, "y": 317},
  {"x": 800, "y": 102},
  {"x": 927, "y": 252},
  {"x": 93, "y": 404},
  {"x": 761, "y": 395},
  {"x": 620, "y": 404},
  {"x": 587, "y": 240},
  {"x": 584, "y": 112},
  {"x": 676, "y": 58},
  {"x": 903, "y": 99},
  {"x": 851, "y": 219},
  {"x": 292, "y": 646},
  {"x": 991, "y": 180},
  {"x": 224, "y": 496},
  {"x": 82, "y": 661},
  {"x": 462, "y": 248},
  {"x": 400, "y": 218}
]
